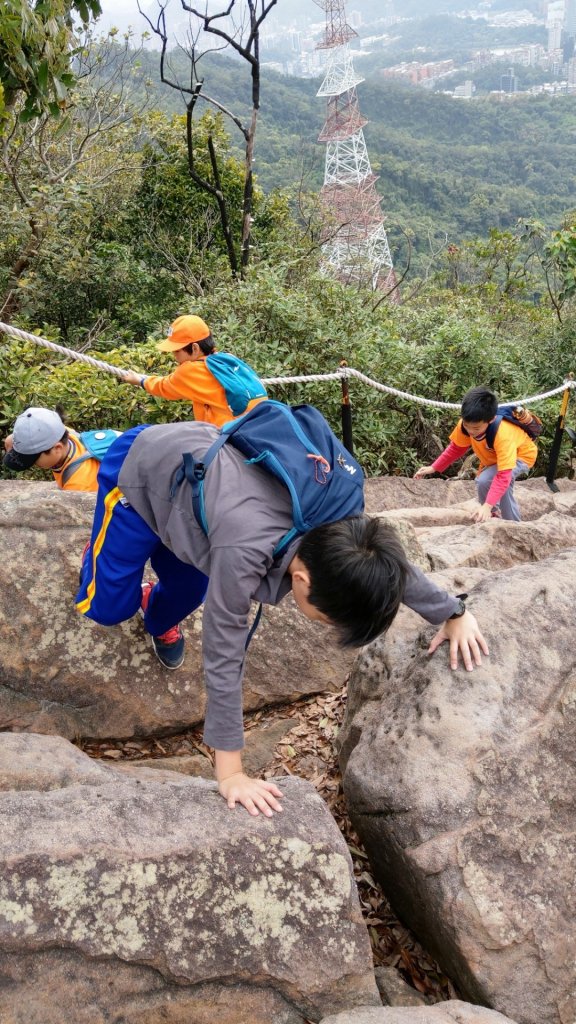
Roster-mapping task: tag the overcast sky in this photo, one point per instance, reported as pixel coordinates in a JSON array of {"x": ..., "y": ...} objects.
[{"x": 122, "y": 13}]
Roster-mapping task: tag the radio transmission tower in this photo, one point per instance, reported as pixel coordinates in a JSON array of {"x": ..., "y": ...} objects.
[{"x": 356, "y": 246}]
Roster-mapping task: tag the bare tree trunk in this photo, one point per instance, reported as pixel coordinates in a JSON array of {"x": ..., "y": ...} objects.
[
  {"x": 223, "y": 208},
  {"x": 246, "y": 43},
  {"x": 247, "y": 205}
]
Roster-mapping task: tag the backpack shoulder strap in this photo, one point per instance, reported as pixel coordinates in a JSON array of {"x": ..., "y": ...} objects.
[
  {"x": 96, "y": 443},
  {"x": 194, "y": 470},
  {"x": 492, "y": 430},
  {"x": 73, "y": 465}
]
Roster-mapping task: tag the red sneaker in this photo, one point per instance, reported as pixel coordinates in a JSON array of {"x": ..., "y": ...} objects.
[{"x": 169, "y": 646}]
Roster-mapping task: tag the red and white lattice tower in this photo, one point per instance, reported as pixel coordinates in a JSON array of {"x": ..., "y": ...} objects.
[{"x": 356, "y": 245}]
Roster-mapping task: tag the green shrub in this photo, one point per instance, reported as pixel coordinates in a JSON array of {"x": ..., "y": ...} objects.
[{"x": 289, "y": 323}]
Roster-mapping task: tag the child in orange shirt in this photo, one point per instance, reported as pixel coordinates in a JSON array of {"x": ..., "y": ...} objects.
[
  {"x": 40, "y": 438},
  {"x": 513, "y": 452},
  {"x": 190, "y": 342}
]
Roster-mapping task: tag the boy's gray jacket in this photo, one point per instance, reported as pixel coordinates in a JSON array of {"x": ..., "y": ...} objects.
[{"x": 248, "y": 511}]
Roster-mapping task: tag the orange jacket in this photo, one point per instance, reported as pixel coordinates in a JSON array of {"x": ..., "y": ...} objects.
[
  {"x": 510, "y": 444},
  {"x": 84, "y": 477},
  {"x": 193, "y": 382}
]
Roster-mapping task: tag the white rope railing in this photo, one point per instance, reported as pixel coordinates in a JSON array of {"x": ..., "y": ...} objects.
[
  {"x": 44, "y": 343},
  {"x": 339, "y": 374}
]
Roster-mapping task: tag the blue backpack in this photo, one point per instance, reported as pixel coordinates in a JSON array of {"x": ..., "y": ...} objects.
[
  {"x": 520, "y": 417},
  {"x": 298, "y": 447},
  {"x": 96, "y": 443},
  {"x": 241, "y": 384}
]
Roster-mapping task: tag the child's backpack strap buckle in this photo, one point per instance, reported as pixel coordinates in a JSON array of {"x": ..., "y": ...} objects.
[{"x": 190, "y": 470}]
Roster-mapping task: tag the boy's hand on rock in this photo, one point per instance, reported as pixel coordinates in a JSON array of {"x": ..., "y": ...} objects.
[
  {"x": 255, "y": 795},
  {"x": 423, "y": 471},
  {"x": 482, "y": 514},
  {"x": 465, "y": 638}
]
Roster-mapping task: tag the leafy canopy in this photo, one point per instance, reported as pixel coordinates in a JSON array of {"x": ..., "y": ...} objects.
[{"x": 36, "y": 47}]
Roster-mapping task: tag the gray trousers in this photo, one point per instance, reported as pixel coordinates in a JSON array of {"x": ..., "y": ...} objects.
[{"x": 508, "y": 505}]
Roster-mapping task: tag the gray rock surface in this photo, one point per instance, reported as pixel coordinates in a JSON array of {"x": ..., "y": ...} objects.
[
  {"x": 148, "y": 900},
  {"x": 498, "y": 544},
  {"x": 61, "y": 673},
  {"x": 463, "y": 790},
  {"x": 454, "y": 1012},
  {"x": 432, "y": 502},
  {"x": 394, "y": 991}
]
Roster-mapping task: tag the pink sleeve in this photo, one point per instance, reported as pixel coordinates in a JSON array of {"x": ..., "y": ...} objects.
[
  {"x": 498, "y": 487},
  {"x": 449, "y": 455}
]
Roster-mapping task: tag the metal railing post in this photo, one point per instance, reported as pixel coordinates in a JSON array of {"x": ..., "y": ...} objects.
[
  {"x": 556, "y": 443},
  {"x": 346, "y": 413}
]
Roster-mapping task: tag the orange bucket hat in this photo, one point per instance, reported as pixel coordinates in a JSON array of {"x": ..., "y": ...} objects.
[{"x": 184, "y": 331}]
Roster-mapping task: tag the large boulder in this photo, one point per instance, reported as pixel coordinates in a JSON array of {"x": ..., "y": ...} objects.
[
  {"x": 436, "y": 502},
  {"x": 119, "y": 903},
  {"x": 463, "y": 789},
  {"x": 61, "y": 673},
  {"x": 407, "y": 640},
  {"x": 454, "y": 1012},
  {"x": 498, "y": 544},
  {"x": 387, "y": 493}
]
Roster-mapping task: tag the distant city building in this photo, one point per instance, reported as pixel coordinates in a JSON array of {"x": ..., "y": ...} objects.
[
  {"x": 367, "y": 41},
  {"x": 482, "y": 58},
  {"x": 419, "y": 74},
  {"x": 355, "y": 19},
  {"x": 465, "y": 91},
  {"x": 554, "y": 36},
  {"x": 555, "y": 62},
  {"x": 512, "y": 19},
  {"x": 509, "y": 82},
  {"x": 295, "y": 41},
  {"x": 529, "y": 56},
  {"x": 555, "y": 15}
]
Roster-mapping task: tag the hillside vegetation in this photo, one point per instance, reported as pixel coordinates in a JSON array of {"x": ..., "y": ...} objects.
[
  {"x": 446, "y": 167},
  {"x": 102, "y": 254}
]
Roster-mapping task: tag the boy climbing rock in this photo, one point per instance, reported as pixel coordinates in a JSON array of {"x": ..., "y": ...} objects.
[
  {"x": 505, "y": 450},
  {"x": 40, "y": 438},
  {"x": 351, "y": 574}
]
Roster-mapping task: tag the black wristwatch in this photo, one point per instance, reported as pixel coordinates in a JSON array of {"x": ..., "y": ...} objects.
[{"x": 461, "y": 607}]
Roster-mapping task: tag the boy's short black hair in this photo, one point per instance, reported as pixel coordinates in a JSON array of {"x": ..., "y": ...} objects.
[
  {"x": 358, "y": 571},
  {"x": 479, "y": 405},
  {"x": 206, "y": 346}
]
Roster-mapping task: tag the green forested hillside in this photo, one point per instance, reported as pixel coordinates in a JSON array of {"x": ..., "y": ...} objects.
[
  {"x": 453, "y": 167},
  {"x": 107, "y": 237}
]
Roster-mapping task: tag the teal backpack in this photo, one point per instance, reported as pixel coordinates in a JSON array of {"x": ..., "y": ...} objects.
[
  {"x": 96, "y": 443},
  {"x": 241, "y": 384}
]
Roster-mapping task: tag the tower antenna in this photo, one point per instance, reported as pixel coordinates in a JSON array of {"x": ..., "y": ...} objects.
[{"x": 356, "y": 247}]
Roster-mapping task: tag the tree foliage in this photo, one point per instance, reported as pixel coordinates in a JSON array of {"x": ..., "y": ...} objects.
[
  {"x": 37, "y": 43},
  {"x": 129, "y": 241}
]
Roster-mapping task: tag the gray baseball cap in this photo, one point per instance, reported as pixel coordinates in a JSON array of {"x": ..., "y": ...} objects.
[{"x": 35, "y": 431}]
